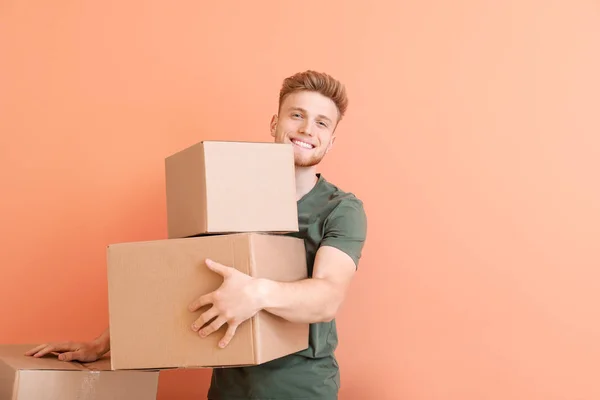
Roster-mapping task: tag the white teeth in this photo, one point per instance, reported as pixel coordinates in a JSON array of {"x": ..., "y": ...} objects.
[{"x": 302, "y": 144}]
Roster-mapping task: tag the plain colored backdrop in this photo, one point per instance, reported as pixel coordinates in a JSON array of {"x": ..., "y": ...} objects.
[{"x": 472, "y": 136}]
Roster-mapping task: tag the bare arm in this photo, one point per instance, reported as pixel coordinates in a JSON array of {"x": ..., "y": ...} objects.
[
  {"x": 318, "y": 299},
  {"x": 310, "y": 300}
]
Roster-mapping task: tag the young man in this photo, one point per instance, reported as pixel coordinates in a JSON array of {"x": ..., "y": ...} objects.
[{"x": 333, "y": 225}]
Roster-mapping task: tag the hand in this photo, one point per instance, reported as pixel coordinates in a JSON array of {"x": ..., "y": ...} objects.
[
  {"x": 235, "y": 301},
  {"x": 69, "y": 351}
]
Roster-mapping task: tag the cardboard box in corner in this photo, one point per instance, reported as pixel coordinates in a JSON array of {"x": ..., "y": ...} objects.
[
  {"x": 151, "y": 284},
  {"x": 47, "y": 378},
  {"x": 230, "y": 187}
]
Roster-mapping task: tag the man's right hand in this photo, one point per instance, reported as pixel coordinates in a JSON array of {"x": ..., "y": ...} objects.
[
  {"x": 75, "y": 351},
  {"x": 69, "y": 351}
]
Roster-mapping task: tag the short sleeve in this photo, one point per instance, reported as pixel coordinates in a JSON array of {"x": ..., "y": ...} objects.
[{"x": 346, "y": 229}]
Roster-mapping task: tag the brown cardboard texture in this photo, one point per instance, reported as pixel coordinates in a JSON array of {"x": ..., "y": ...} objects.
[
  {"x": 46, "y": 378},
  {"x": 152, "y": 283},
  {"x": 231, "y": 187}
]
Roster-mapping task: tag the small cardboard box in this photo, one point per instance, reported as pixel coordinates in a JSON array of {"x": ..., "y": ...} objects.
[
  {"x": 231, "y": 187},
  {"x": 46, "y": 378},
  {"x": 151, "y": 284}
]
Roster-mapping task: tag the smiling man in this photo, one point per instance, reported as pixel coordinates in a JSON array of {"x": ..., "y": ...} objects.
[{"x": 333, "y": 225}]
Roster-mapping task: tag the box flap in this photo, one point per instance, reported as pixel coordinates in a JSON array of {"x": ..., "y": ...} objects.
[
  {"x": 14, "y": 356},
  {"x": 269, "y": 253},
  {"x": 262, "y": 174},
  {"x": 243, "y": 262}
]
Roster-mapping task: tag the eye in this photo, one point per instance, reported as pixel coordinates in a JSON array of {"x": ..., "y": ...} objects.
[
  {"x": 296, "y": 115},
  {"x": 323, "y": 124}
]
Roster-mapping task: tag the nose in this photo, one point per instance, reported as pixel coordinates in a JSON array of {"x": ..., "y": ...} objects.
[{"x": 306, "y": 127}]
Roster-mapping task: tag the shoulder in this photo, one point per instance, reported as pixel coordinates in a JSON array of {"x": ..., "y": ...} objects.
[{"x": 344, "y": 203}]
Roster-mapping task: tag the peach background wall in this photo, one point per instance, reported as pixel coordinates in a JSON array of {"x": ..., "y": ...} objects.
[{"x": 472, "y": 136}]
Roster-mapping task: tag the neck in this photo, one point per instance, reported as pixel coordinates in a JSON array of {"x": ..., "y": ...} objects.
[{"x": 306, "y": 178}]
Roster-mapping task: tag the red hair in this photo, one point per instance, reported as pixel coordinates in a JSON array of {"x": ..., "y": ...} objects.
[{"x": 316, "y": 82}]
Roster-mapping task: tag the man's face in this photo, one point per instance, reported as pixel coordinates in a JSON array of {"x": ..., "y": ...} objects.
[{"x": 307, "y": 120}]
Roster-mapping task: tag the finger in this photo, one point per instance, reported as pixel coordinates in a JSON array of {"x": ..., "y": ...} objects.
[
  {"x": 200, "y": 302},
  {"x": 55, "y": 347},
  {"x": 71, "y": 355},
  {"x": 213, "y": 326},
  {"x": 34, "y": 350},
  {"x": 228, "y": 335},
  {"x": 204, "y": 318},
  {"x": 218, "y": 268}
]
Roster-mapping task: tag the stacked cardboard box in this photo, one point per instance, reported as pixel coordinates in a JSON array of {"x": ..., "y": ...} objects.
[
  {"x": 227, "y": 201},
  {"x": 47, "y": 378}
]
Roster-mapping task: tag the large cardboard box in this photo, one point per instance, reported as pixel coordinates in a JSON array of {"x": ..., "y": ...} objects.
[
  {"x": 151, "y": 284},
  {"x": 229, "y": 187},
  {"x": 46, "y": 378}
]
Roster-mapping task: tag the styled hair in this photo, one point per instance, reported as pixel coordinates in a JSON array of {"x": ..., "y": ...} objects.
[{"x": 316, "y": 82}]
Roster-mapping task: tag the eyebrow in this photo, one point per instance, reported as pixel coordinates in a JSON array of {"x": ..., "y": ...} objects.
[{"x": 304, "y": 111}]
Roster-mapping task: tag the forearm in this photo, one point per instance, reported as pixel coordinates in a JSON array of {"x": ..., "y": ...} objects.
[{"x": 306, "y": 301}]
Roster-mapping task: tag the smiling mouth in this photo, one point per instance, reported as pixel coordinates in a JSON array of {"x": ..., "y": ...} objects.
[{"x": 302, "y": 144}]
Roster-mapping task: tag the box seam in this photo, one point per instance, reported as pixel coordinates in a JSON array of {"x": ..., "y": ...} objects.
[
  {"x": 110, "y": 299},
  {"x": 255, "y": 321},
  {"x": 205, "y": 191}
]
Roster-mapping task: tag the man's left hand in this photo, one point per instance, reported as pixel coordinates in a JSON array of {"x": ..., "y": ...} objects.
[{"x": 233, "y": 302}]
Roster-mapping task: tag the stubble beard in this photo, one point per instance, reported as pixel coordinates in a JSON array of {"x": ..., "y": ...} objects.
[{"x": 308, "y": 162}]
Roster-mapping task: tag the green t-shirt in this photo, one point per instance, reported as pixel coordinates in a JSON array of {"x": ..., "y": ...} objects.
[{"x": 326, "y": 216}]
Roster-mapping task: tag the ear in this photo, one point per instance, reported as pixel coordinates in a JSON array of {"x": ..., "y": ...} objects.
[
  {"x": 330, "y": 143},
  {"x": 273, "y": 126}
]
